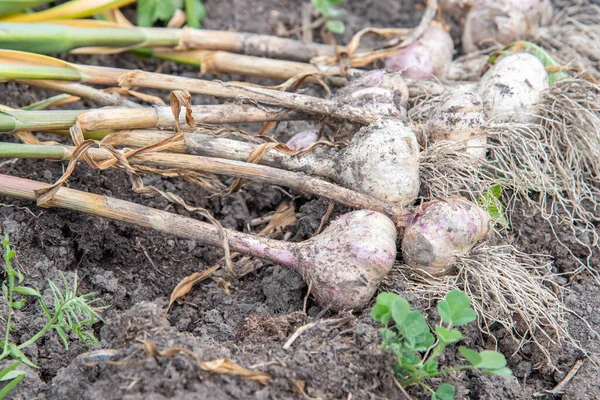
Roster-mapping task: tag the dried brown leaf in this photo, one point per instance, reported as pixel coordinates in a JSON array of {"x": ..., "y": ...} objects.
[
  {"x": 259, "y": 151},
  {"x": 182, "y": 98},
  {"x": 187, "y": 283},
  {"x": 326, "y": 216},
  {"x": 284, "y": 216},
  {"x": 218, "y": 366},
  {"x": 300, "y": 387}
]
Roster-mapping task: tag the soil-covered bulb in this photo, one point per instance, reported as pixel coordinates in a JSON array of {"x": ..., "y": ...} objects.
[
  {"x": 348, "y": 260},
  {"x": 441, "y": 232}
]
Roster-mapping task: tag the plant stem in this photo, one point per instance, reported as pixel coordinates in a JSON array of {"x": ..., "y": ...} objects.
[
  {"x": 299, "y": 102},
  {"x": 48, "y": 325},
  {"x": 10, "y": 72},
  {"x": 254, "y": 172},
  {"x": 230, "y": 63},
  {"x": 412, "y": 381},
  {"x": 49, "y": 38},
  {"x": 130, "y": 118},
  {"x": 83, "y": 91},
  {"x": 9, "y": 299},
  {"x": 14, "y": 7},
  {"x": 146, "y": 217}
]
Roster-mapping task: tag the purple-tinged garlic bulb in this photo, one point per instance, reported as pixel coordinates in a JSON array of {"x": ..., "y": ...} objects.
[
  {"x": 427, "y": 58},
  {"x": 349, "y": 259},
  {"x": 441, "y": 232},
  {"x": 302, "y": 140},
  {"x": 511, "y": 90},
  {"x": 459, "y": 119},
  {"x": 502, "y": 22}
]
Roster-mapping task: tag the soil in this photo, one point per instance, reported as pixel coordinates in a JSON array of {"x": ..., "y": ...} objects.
[{"x": 247, "y": 320}]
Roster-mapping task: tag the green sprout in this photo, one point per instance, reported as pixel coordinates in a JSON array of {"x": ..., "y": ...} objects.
[
  {"x": 491, "y": 201},
  {"x": 69, "y": 313},
  {"x": 151, "y": 11},
  {"x": 417, "y": 348},
  {"x": 330, "y": 13}
]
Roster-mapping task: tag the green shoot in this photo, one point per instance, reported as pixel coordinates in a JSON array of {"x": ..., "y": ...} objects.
[
  {"x": 12, "y": 376},
  {"x": 417, "y": 348},
  {"x": 151, "y": 11},
  {"x": 15, "y": 6},
  {"x": 330, "y": 13},
  {"x": 491, "y": 201},
  {"x": 69, "y": 313}
]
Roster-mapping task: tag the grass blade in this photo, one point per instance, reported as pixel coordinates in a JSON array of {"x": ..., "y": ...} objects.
[
  {"x": 70, "y": 10},
  {"x": 16, "y": 6}
]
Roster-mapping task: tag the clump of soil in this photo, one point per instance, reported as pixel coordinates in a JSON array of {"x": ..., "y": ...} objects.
[{"x": 135, "y": 270}]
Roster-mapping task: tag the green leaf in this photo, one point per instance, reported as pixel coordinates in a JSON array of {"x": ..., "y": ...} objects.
[
  {"x": 63, "y": 336},
  {"x": 20, "y": 277},
  {"x": 491, "y": 201},
  {"x": 27, "y": 291},
  {"x": 8, "y": 369},
  {"x": 382, "y": 312},
  {"x": 14, "y": 376},
  {"x": 499, "y": 372},
  {"x": 195, "y": 13},
  {"x": 335, "y": 26},
  {"x": 464, "y": 316},
  {"x": 456, "y": 308},
  {"x": 400, "y": 310},
  {"x": 17, "y": 305},
  {"x": 332, "y": 13},
  {"x": 423, "y": 342},
  {"x": 430, "y": 367},
  {"x": 10, "y": 254},
  {"x": 387, "y": 336},
  {"x": 321, "y": 5},
  {"x": 150, "y": 11},
  {"x": 444, "y": 392},
  {"x": 491, "y": 360},
  {"x": 413, "y": 325},
  {"x": 410, "y": 358},
  {"x": 447, "y": 336},
  {"x": 472, "y": 356},
  {"x": 17, "y": 354}
]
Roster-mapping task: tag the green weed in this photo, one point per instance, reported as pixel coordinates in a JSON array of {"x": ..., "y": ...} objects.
[{"x": 416, "y": 348}]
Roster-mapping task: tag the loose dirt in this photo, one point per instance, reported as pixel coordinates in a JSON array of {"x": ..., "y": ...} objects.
[{"x": 135, "y": 270}]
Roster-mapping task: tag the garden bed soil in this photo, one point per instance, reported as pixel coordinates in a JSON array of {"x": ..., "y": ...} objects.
[{"x": 134, "y": 271}]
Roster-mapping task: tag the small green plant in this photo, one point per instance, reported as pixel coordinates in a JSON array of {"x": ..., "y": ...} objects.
[
  {"x": 330, "y": 12},
  {"x": 417, "y": 348},
  {"x": 491, "y": 201},
  {"x": 12, "y": 376},
  {"x": 69, "y": 313},
  {"x": 151, "y": 11}
]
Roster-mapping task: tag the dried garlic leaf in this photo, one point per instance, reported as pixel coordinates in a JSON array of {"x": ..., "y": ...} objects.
[
  {"x": 187, "y": 283},
  {"x": 284, "y": 216}
]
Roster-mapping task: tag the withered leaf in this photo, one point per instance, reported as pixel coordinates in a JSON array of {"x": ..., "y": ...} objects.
[
  {"x": 187, "y": 283},
  {"x": 218, "y": 366},
  {"x": 284, "y": 216}
]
